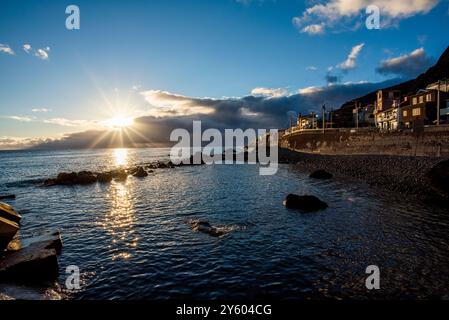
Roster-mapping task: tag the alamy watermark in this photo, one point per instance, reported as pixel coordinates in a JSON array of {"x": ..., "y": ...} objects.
[
  {"x": 218, "y": 150},
  {"x": 73, "y": 21},
  {"x": 373, "y": 280},
  {"x": 73, "y": 279},
  {"x": 373, "y": 19}
]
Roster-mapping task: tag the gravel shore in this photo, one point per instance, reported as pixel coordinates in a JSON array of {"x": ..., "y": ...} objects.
[{"x": 400, "y": 174}]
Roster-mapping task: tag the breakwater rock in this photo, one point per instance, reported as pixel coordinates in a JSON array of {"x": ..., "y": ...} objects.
[{"x": 31, "y": 259}]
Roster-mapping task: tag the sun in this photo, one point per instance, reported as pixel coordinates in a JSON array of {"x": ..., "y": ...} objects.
[{"x": 118, "y": 122}]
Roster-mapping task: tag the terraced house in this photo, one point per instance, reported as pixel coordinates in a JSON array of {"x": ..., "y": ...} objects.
[
  {"x": 386, "y": 111},
  {"x": 424, "y": 106}
]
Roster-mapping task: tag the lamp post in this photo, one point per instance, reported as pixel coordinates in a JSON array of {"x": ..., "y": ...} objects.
[
  {"x": 324, "y": 119},
  {"x": 332, "y": 120},
  {"x": 438, "y": 104}
]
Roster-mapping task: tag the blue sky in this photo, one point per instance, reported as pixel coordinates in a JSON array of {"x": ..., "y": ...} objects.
[{"x": 127, "y": 50}]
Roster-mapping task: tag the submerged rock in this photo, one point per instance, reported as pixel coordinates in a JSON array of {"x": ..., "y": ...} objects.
[
  {"x": 439, "y": 178},
  {"x": 205, "y": 227},
  {"x": 304, "y": 203},
  {"x": 321, "y": 174}
]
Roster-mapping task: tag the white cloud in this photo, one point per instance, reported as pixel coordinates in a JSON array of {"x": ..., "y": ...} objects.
[
  {"x": 310, "y": 90},
  {"x": 350, "y": 62},
  {"x": 313, "y": 29},
  {"x": 27, "y": 47},
  {"x": 311, "y": 68},
  {"x": 40, "y": 110},
  {"x": 69, "y": 123},
  {"x": 331, "y": 15},
  {"x": 41, "y": 53},
  {"x": 166, "y": 104},
  {"x": 4, "y": 48},
  {"x": 18, "y": 118},
  {"x": 277, "y": 92},
  {"x": 55, "y": 121}
]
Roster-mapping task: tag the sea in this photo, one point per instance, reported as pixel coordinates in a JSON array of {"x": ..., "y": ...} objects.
[{"x": 130, "y": 240}]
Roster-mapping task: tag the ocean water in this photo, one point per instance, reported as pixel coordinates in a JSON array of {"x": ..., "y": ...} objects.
[{"x": 130, "y": 239}]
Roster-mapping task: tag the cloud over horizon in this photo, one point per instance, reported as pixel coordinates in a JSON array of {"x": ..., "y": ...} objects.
[{"x": 252, "y": 111}]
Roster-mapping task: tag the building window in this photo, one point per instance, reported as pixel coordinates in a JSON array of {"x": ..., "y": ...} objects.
[
  {"x": 428, "y": 97},
  {"x": 415, "y": 100},
  {"x": 416, "y": 112},
  {"x": 404, "y": 113},
  {"x": 421, "y": 99}
]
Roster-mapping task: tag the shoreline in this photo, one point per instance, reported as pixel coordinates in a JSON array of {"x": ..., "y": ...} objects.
[{"x": 401, "y": 174}]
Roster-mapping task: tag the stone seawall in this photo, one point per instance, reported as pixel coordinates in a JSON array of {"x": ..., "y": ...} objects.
[{"x": 431, "y": 142}]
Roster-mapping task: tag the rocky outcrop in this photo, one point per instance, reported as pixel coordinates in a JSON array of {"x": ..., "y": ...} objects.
[
  {"x": 305, "y": 203},
  {"x": 66, "y": 178},
  {"x": 119, "y": 174},
  {"x": 73, "y": 178},
  {"x": 321, "y": 174},
  {"x": 140, "y": 172},
  {"x": 85, "y": 177},
  {"x": 104, "y": 177}
]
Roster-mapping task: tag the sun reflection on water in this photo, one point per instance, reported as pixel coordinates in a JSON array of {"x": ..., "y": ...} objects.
[
  {"x": 119, "y": 221},
  {"x": 121, "y": 156}
]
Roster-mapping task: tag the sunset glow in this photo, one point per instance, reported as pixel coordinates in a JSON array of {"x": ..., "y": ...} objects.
[{"x": 118, "y": 122}]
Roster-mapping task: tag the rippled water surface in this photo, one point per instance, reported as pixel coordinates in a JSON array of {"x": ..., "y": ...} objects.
[{"x": 130, "y": 239}]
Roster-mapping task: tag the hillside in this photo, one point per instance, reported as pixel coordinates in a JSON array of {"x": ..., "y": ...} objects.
[{"x": 439, "y": 71}]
